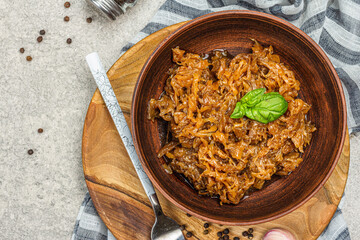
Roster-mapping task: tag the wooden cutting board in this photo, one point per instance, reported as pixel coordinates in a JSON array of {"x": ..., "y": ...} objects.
[{"x": 117, "y": 192}]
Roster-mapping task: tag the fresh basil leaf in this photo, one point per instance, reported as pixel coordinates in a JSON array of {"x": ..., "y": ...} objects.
[
  {"x": 260, "y": 106},
  {"x": 271, "y": 107},
  {"x": 239, "y": 111},
  {"x": 251, "y": 97}
]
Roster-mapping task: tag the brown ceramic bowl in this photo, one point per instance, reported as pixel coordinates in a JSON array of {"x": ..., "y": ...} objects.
[{"x": 320, "y": 86}]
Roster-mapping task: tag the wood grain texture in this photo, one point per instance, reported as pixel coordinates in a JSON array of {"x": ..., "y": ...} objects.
[{"x": 118, "y": 195}]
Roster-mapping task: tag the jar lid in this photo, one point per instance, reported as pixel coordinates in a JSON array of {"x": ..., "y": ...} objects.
[{"x": 110, "y": 8}]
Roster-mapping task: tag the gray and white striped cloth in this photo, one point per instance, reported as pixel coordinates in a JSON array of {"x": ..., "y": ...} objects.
[{"x": 333, "y": 24}]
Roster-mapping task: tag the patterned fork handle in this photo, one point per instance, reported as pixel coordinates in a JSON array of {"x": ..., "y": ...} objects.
[{"x": 117, "y": 115}]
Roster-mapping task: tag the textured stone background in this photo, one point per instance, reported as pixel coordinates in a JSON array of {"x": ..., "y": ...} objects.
[{"x": 40, "y": 194}]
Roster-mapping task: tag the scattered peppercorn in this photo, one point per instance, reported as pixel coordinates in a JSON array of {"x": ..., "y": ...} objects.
[
  {"x": 206, "y": 231},
  {"x": 221, "y": 238},
  {"x": 89, "y": 19},
  {"x": 250, "y": 230},
  {"x": 29, "y": 58},
  {"x": 40, "y": 130},
  {"x": 30, "y": 152},
  {"x": 219, "y": 234},
  {"x": 189, "y": 234},
  {"x": 206, "y": 225},
  {"x": 42, "y": 32},
  {"x": 250, "y": 236},
  {"x": 22, "y": 50},
  {"x": 245, "y": 233},
  {"x": 69, "y": 41},
  {"x": 226, "y": 231},
  {"x": 188, "y": 215},
  {"x": 236, "y": 238},
  {"x": 66, "y": 4},
  {"x": 182, "y": 227},
  {"x": 66, "y": 18},
  {"x": 226, "y": 237},
  {"x": 39, "y": 39}
]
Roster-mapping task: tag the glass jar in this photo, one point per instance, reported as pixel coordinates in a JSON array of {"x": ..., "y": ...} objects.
[{"x": 113, "y": 8}]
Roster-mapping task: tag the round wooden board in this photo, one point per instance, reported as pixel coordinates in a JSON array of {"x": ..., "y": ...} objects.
[{"x": 117, "y": 192}]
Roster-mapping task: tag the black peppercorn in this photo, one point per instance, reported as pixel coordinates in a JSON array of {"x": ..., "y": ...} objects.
[
  {"x": 42, "y": 32},
  {"x": 219, "y": 234},
  {"x": 236, "y": 238},
  {"x": 245, "y": 233},
  {"x": 188, "y": 215},
  {"x": 206, "y": 231},
  {"x": 182, "y": 227},
  {"x": 221, "y": 238},
  {"x": 250, "y": 230},
  {"x": 30, "y": 152},
  {"x": 89, "y": 19},
  {"x": 206, "y": 225},
  {"x": 189, "y": 234},
  {"x": 226, "y": 237},
  {"x": 226, "y": 231},
  {"x": 69, "y": 41},
  {"x": 250, "y": 236}
]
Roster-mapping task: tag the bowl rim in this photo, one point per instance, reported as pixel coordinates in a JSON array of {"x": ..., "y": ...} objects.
[{"x": 240, "y": 13}]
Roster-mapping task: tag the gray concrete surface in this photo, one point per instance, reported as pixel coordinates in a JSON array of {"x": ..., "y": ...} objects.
[{"x": 40, "y": 194}]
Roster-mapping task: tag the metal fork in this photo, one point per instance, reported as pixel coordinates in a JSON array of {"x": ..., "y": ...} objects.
[{"x": 164, "y": 227}]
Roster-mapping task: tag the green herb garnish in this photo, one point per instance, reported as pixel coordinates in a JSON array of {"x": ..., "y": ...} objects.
[{"x": 260, "y": 106}]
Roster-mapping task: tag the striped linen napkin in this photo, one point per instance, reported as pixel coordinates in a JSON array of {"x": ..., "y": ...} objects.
[{"x": 333, "y": 24}]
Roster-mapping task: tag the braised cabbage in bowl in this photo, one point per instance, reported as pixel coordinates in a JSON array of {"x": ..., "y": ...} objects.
[{"x": 219, "y": 155}]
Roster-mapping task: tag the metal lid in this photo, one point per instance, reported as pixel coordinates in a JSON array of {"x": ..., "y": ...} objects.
[{"x": 110, "y": 8}]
